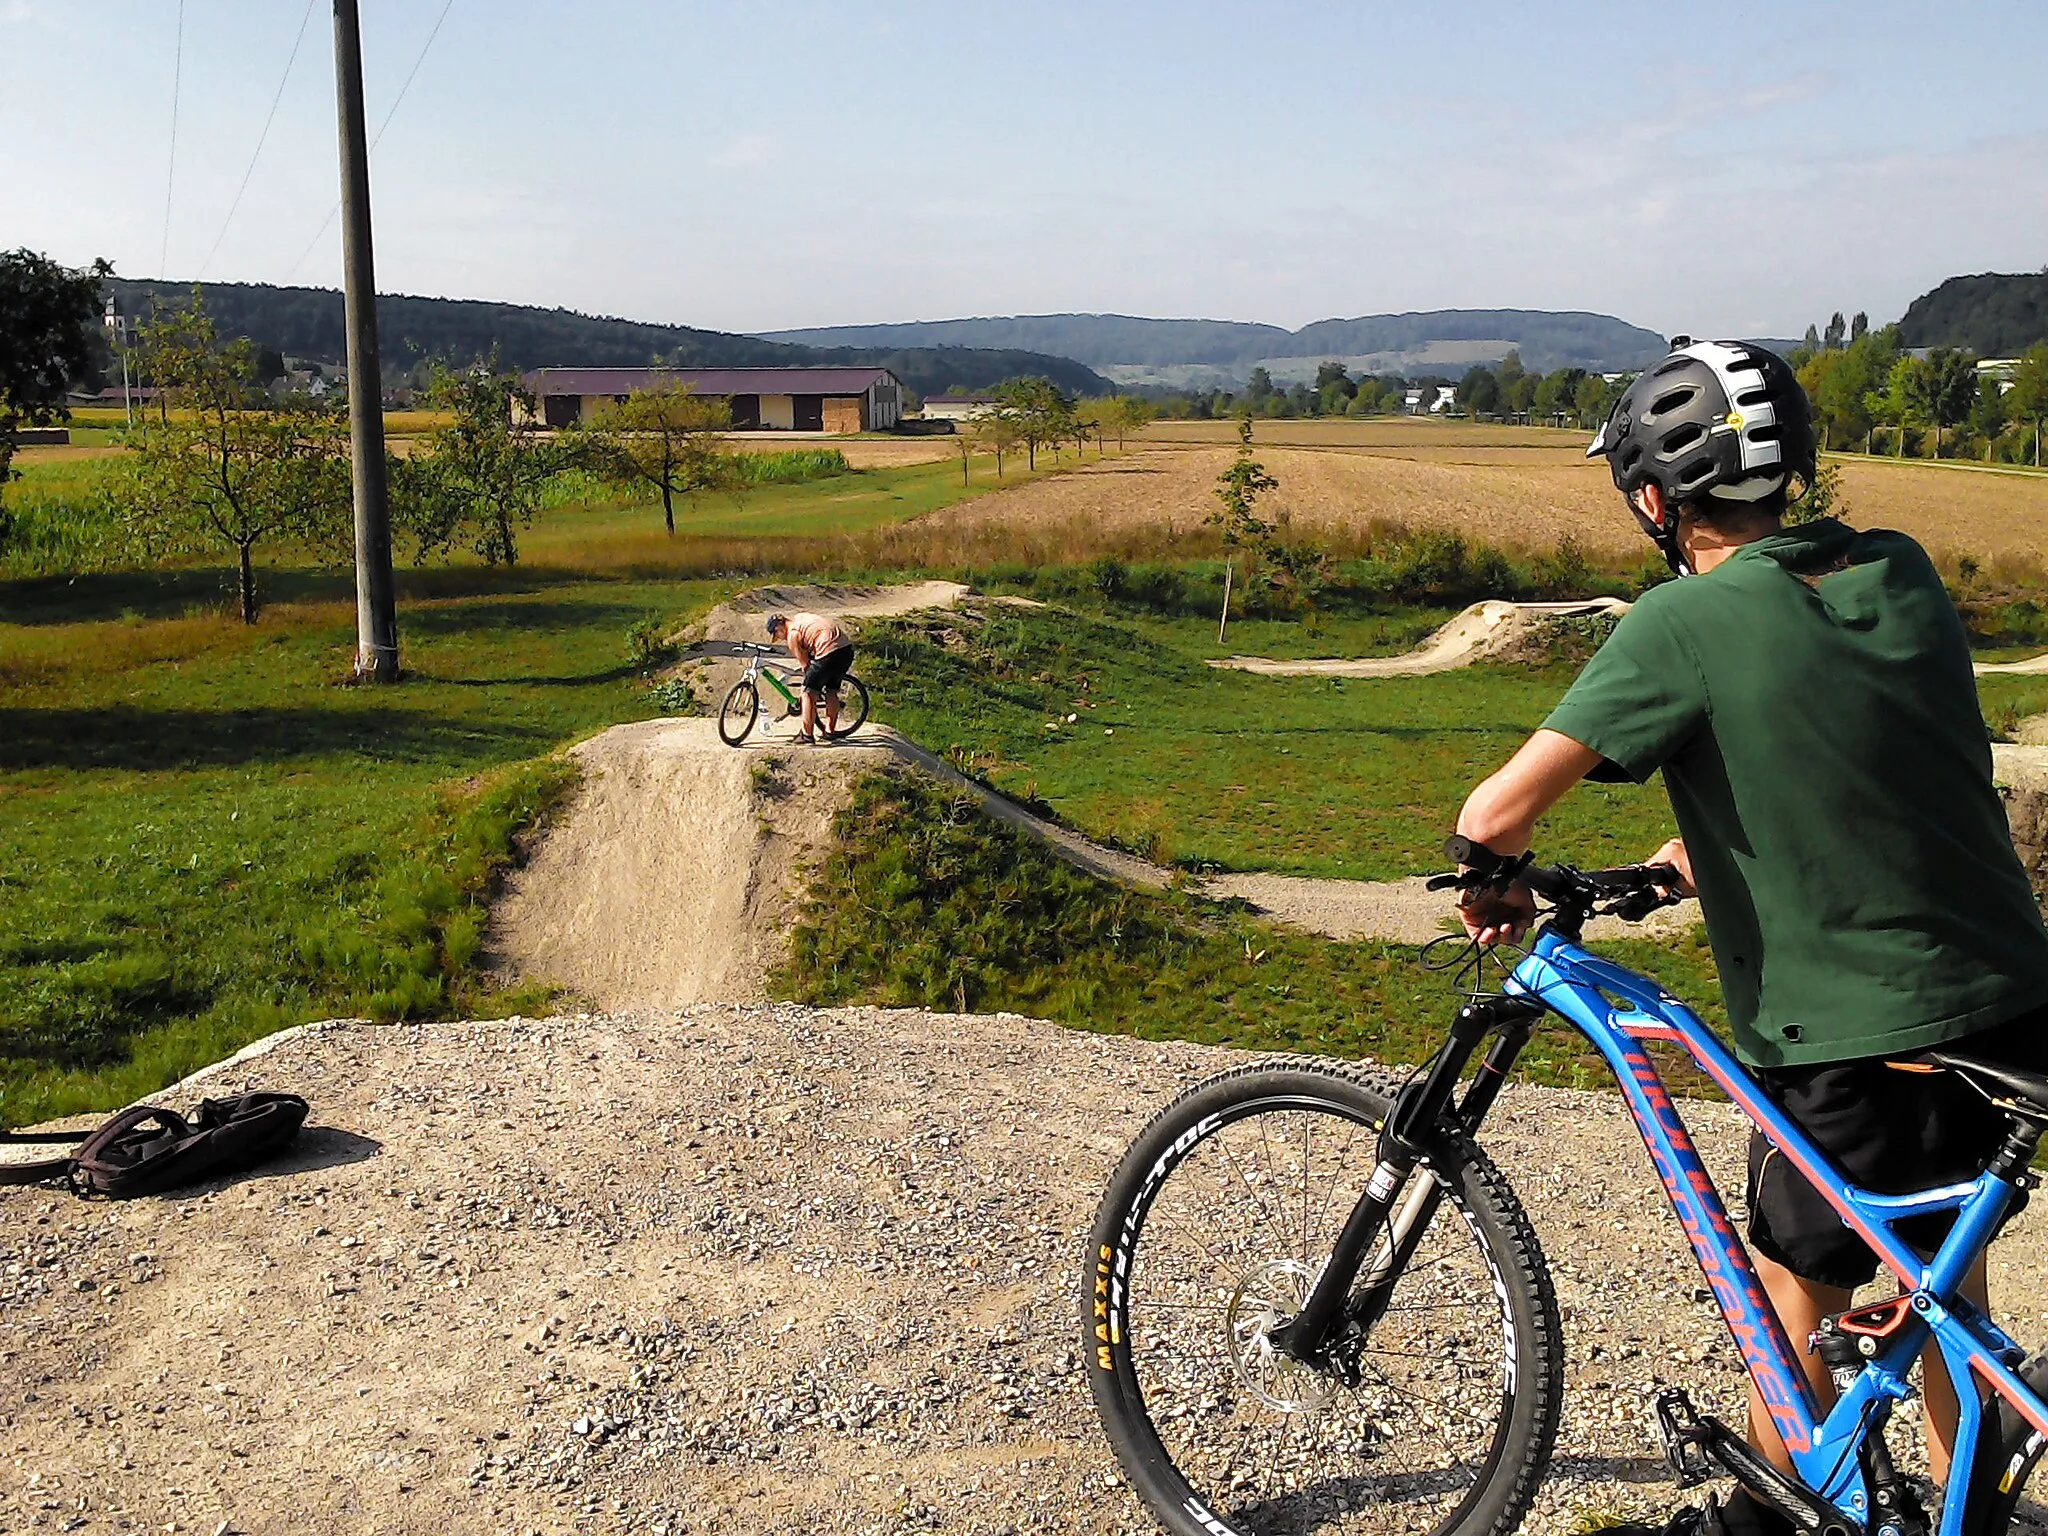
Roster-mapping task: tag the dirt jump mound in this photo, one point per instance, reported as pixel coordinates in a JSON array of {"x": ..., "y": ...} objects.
[
  {"x": 670, "y": 877},
  {"x": 1489, "y": 631}
]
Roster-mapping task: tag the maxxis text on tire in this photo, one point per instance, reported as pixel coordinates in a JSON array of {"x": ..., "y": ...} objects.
[{"x": 1492, "y": 1493}]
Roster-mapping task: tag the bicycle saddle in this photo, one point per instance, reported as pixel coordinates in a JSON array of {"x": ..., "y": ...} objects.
[{"x": 1995, "y": 1079}]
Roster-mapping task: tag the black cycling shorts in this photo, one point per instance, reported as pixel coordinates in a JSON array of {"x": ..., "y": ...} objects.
[
  {"x": 825, "y": 673},
  {"x": 1889, "y": 1131}
]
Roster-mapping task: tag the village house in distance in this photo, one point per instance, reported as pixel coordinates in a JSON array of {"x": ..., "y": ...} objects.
[{"x": 835, "y": 400}]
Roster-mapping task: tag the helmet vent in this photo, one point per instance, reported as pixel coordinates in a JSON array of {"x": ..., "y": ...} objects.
[
  {"x": 1674, "y": 400},
  {"x": 1768, "y": 433},
  {"x": 1756, "y": 396},
  {"x": 1697, "y": 473},
  {"x": 1683, "y": 439}
]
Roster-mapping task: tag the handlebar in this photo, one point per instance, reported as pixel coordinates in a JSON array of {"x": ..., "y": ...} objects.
[{"x": 1632, "y": 891}]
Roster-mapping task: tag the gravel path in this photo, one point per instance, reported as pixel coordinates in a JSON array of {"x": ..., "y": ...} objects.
[{"x": 744, "y": 1268}]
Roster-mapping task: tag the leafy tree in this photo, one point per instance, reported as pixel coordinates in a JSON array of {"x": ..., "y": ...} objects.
[
  {"x": 1258, "y": 388},
  {"x": 1238, "y": 490},
  {"x": 1039, "y": 410},
  {"x": 1128, "y": 415},
  {"x": 1988, "y": 415},
  {"x": 668, "y": 437},
  {"x": 1479, "y": 391},
  {"x": 997, "y": 432},
  {"x": 1592, "y": 400},
  {"x": 1891, "y": 403},
  {"x": 484, "y": 473},
  {"x": 1942, "y": 389},
  {"x": 1557, "y": 394},
  {"x": 47, "y": 315},
  {"x": 2027, "y": 400},
  {"x": 219, "y": 465}
]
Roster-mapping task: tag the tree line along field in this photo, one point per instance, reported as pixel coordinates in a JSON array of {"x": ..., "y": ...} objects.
[{"x": 205, "y": 834}]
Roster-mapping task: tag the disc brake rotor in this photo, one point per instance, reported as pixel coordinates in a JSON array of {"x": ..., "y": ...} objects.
[{"x": 1267, "y": 1297}]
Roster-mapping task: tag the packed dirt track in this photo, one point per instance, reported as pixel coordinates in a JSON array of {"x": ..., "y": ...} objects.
[
  {"x": 736, "y": 1269},
  {"x": 1483, "y": 632}
]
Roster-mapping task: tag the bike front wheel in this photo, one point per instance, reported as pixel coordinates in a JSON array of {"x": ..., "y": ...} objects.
[
  {"x": 1211, "y": 1236},
  {"x": 853, "y": 707},
  {"x": 736, "y": 715}
]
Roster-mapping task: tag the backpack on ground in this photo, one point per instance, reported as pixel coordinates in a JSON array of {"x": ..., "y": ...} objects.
[{"x": 148, "y": 1149}]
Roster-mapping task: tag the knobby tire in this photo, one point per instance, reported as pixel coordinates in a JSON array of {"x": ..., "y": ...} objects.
[
  {"x": 737, "y": 714},
  {"x": 853, "y": 708},
  {"x": 1219, "y": 1412}
]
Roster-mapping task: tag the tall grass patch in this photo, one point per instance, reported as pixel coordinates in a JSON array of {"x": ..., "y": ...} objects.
[{"x": 927, "y": 902}]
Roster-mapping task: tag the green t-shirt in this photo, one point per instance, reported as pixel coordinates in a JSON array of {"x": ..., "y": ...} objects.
[{"x": 1811, "y": 704}]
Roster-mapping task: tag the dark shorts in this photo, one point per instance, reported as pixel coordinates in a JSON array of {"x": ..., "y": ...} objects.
[
  {"x": 825, "y": 673},
  {"x": 1890, "y": 1131}
]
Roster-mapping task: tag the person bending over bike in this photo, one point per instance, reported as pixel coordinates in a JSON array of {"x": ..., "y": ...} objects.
[
  {"x": 1807, "y": 694},
  {"x": 824, "y": 650}
]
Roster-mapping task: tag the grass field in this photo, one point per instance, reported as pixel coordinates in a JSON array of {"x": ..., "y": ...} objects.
[
  {"x": 1352, "y": 779},
  {"x": 204, "y": 834}
]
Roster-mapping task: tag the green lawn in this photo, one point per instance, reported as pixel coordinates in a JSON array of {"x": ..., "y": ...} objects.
[
  {"x": 1350, "y": 778},
  {"x": 205, "y": 834}
]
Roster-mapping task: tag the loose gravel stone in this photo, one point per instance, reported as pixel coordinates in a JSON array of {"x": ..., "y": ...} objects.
[{"x": 738, "y": 1269}]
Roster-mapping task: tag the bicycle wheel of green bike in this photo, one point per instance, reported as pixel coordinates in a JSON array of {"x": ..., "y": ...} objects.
[
  {"x": 736, "y": 714},
  {"x": 853, "y": 707},
  {"x": 1213, "y": 1232},
  {"x": 2008, "y": 1449}
]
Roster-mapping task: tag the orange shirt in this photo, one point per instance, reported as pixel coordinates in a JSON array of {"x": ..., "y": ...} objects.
[{"x": 812, "y": 635}]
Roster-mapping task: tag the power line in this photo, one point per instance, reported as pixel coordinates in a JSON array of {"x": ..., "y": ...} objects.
[
  {"x": 163, "y": 254},
  {"x": 379, "y": 135},
  {"x": 267, "y": 121}
]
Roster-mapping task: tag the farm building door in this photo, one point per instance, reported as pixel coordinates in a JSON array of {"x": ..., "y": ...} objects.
[
  {"x": 746, "y": 413},
  {"x": 809, "y": 413}
]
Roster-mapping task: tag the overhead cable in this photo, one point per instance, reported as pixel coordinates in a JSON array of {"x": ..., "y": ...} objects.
[
  {"x": 378, "y": 136},
  {"x": 163, "y": 254},
  {"x": 265, "y": 134}
]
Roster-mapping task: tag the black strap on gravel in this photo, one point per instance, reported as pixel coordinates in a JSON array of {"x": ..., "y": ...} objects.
[{"x": 147, "y": 1148}]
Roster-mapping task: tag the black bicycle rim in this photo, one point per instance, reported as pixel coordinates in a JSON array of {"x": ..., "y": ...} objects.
[
  {"x": 853, "y": 707},
  {"x": 1523, "y": 1422},
  {"x": 736, "y": 714}
]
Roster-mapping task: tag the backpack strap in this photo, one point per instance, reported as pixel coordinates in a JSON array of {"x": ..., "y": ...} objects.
[
  {"x": 36, "y": 1170},
  {"x": 90, "y": 1168}
]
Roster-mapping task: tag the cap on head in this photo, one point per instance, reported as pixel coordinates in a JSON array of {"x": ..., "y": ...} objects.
[{"x": 777, "y": 623}]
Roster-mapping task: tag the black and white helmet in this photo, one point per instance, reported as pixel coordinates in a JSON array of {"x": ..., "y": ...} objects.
[{"x": 1720, "y": 419}]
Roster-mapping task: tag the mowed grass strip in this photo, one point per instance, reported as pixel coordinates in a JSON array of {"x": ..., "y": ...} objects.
[{"x": 1355, "y": 779}]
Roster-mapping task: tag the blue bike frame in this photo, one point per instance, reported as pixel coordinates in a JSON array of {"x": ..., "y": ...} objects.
[{"x": 1620, "y": 1012}]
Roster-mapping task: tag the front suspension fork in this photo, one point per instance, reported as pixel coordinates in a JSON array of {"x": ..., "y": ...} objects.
[{"x": 1346, "y": 1300}]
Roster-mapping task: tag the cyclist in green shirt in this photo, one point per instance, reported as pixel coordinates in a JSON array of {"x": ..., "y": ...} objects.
[{"x": 1808, "y": 696}]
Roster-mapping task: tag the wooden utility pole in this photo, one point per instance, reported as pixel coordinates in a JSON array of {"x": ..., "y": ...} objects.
[{"x": 376, "y": 603}]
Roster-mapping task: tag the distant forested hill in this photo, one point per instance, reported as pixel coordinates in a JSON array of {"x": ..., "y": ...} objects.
[
  {"x": 1547, "y": 339},
  {"x": 307, "y": 322},
  {"x": 1994, "y": 314},
  {"x": 1089, "y": 339}
]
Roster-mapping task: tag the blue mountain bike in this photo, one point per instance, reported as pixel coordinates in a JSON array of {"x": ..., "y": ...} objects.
[{"x": 1312, "y": 1304}]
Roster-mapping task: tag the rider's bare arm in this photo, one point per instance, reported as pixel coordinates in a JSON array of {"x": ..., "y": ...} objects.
[{"x": 1502, "y": 813}]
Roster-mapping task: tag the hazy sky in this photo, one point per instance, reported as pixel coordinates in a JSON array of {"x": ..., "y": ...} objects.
[{"x": 1720, "y": 169}]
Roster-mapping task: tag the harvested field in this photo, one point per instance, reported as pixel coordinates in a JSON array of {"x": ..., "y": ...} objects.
[
  {"x": 1513, "y": 495},
  {"x": 1160, "y": 489}
]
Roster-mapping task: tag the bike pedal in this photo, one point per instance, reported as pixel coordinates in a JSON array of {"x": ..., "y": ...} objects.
[{"x": 1685, "y": 1438}]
